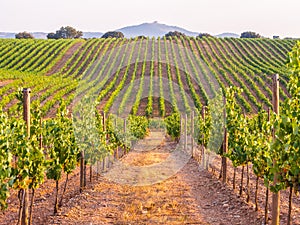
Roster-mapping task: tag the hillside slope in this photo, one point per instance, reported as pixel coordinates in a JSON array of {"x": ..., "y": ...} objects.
[{"x": 128, "y": 71}]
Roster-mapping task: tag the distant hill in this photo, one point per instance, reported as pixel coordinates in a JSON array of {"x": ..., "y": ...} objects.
[
  {"x": 37, "y": 35},
  {"x": 223, "y": 35},
  {"x": 92, "y": 34},
  {"x": 154, "y": 29},
  {"x": 40, "y": 35},
  {"x": 7, "y": 35}
]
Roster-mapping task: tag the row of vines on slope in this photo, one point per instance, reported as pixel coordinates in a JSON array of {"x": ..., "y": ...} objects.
[
  {"x": 267, "y": 141},
  {"x": 230, "y": 62},
  {"x": 51, "y": 148}
]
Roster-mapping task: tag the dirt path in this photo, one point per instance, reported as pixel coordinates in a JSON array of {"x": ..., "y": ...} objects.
[{"x": 188, "y": 197}]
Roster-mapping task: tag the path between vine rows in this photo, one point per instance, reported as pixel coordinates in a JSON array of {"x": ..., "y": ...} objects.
[{"x": 191, "y": 196}]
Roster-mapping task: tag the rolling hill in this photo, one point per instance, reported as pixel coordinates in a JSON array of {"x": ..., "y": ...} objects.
[
  {"x": 154, "y": 29},
  {"x": 107, "y": 66}
]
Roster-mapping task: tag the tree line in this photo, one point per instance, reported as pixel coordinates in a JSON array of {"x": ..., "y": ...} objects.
[{"x": 69, "y": 32}]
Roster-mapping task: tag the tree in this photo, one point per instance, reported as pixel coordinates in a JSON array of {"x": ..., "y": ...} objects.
[
  {"x": 174, "y": 34},
  {"x": 24, "y": 35},
  {"x": 250, "y": 34},
  {"x": 65, "y": 33},
  {"x": 51, "y": 36},
  {"x": 113, "y": 34},
  {"x": 201, "y": 35},
  {"x": 142, "y": 37}
]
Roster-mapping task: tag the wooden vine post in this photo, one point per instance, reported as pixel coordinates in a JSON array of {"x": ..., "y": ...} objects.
[
  {"x": 81, "y": 170},
  {"x": 104, "y": 130},
  {"x": 275, "y": 196},
  {"x": 267, "y": 188},
  {"x": 181, "y": 125},
  {"x": 202, "y": 147},
  {"x": 26, "y": 108},
  {"x": 185, "y": 132},
  {"x": 116, "y": 153},
  {"x": 225, "y": 148},
  {"x": 26, "y": 117},
  {"x": 192, "y": 133},
  {"x": 125, "y": 139}
]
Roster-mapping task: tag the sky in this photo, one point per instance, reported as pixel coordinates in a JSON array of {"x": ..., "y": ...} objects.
[{"x": 266, "y": 17}]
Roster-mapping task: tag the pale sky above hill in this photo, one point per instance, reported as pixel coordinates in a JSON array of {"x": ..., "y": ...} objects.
[{"x": 267, "y": 17}]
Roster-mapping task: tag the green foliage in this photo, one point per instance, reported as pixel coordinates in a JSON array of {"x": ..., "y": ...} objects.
[
  {"x": 174, "y": 34},
  {"x": 149, "y": 109},
  {"x": 52, "y": 36},
  {"x": 116, "y": 135},
  {"x": 113, "y": 34},
  {"x": 6, "y": 176},
  {"x": 120, "y": 86},
  {"x": 170, "y": 83},
  {"x": 217, "y": 122},
  {"x": 259, "y": 144},
  {"x": 250, "y": 34},
  {"x": 24, "y": 35},
  {"x": 173, "y": 125},
  {"x": 138, "y": 126},
  {"x": 203, "y": 126},
  {"x": 132, "y": 82},
  {"x": 61, "y": 147},
  {"x": 37, "y": 160},
  {"x": 35, "y": 56},
  {"x": 22, "y": 161},
  {"x": 250, "y": 138},
  {"x": 210, "y": 130},
  {"x": 67, "y": 32},
  {"x": 89, "y": 131},
  {"x": 236, "y": 125},
  {"x": 286, "y": 148},
  {"x": 141, "y": 85},
  {"x": 201, "y": 35}
]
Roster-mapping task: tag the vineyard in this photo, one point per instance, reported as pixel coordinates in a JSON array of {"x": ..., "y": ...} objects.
[
  {"x": 92, "y": 100},
  {"x": 199, "y": 67}
]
